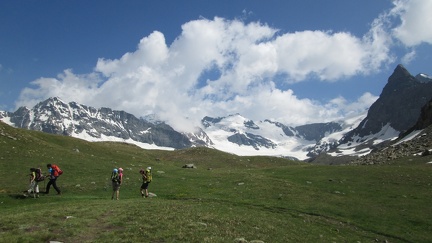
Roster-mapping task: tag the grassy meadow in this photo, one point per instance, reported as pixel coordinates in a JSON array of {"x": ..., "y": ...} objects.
[{"x": 227, "y": 198}]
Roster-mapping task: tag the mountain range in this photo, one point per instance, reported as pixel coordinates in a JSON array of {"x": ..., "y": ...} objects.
[{"x": 395, "y": 112}]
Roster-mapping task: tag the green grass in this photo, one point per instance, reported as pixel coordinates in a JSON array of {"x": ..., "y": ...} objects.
[{"x": 225, "y": 199}]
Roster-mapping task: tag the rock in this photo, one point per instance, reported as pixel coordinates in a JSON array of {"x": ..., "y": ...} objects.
[{"x": 189, "y": 166}]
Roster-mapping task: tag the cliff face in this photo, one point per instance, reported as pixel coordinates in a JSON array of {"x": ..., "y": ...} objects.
[{"x": 399, "y": 105}]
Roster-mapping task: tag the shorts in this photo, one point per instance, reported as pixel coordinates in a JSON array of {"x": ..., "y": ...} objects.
[
  {"x": 145, "y": 185},
  {"x": 115, "y": 186}
]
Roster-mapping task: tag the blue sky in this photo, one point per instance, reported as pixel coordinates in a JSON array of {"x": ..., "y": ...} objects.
[{"x": 295, "y": 62}]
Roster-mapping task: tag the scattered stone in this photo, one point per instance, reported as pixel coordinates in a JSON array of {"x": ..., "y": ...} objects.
[
  {"x": 418, "y": 146},
  {"x": 189, "y": 166},
  {"x": 240, "y": 240},
  {"x": 197, "y": 224}
]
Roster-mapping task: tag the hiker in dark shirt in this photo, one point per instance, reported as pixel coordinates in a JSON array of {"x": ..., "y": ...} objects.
[{"x": 53, "y": 175}]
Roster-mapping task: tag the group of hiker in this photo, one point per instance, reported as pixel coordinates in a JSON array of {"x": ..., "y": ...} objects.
[
  {"x": 37, "y": 176},
  {"x": 117, "y": 180}
]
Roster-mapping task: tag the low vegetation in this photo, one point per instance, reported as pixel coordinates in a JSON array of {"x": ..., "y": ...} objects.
[{"x": 227, "y": 198}]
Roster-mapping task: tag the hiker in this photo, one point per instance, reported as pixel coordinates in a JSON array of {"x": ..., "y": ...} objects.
[
  {"x": 147, "y": 178},
  {"x": 54, "y": 173},
  {"x": 117, "y": 179},
  {"x": 34, "y": 187}
]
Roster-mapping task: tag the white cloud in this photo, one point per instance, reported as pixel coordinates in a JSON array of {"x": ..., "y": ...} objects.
[
  {"x": 346, "y": 108},
  {"x": 408, "y": 57},
  {"x": 157, "y": 78},
  {"x": 416, "y": 21}
]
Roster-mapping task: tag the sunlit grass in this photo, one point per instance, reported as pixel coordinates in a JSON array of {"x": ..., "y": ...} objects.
[{"x": 227, "y": 198}]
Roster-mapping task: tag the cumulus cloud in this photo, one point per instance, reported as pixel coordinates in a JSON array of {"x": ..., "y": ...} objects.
[
  {"x": 416, "y": 21},
  {"x": 218, "y": 67}
]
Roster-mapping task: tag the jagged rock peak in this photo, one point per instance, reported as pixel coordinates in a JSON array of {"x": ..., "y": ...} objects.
[{"x": 399, "y": 73}]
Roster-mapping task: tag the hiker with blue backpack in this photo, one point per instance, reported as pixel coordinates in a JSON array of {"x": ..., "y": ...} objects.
[{"x": 117, "y": 179}]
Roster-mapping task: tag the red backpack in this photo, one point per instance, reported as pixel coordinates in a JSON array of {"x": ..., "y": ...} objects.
[{"x": 57, "y": 170}]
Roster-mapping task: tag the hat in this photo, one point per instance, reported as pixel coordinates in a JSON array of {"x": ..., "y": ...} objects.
[
  {"x": 120, "y": 169},
  {"x": 115, "y": 170},
  {"x": 149, "y": 168}
]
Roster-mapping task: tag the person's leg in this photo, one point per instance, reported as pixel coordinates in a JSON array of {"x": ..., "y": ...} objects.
[
  {"x": 37, "y": 189},
  {"x": 142, "y": 190},
  {"x": 114, "y": 186},
  {"x": 30, "y": 190},
  {"x": 48, "y": 186},
  {"x": 34, "y": 185},
  {"x": 55, "y": 186}
]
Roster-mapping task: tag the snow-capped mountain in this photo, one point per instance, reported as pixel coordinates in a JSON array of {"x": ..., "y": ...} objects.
[
  {"x": 72, "y": 119},
  {"x": 396, "y": 111},
  {"x": 235, "y": 133},
  {"x": 239, "y": 135}
]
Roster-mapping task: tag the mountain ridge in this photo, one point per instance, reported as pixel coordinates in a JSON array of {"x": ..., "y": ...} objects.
[{"x": 236, "y": 134}]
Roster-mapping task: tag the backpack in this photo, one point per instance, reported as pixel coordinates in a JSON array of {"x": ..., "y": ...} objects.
[
  {"x": 39, "y": 177},
  {"x": 57, "y": 170},
  {"x": 148, "y": 175},
  {"x": 115, "y": 177}
]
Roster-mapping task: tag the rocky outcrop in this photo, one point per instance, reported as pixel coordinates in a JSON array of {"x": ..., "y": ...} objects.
[
  {"x": 420, "y": 144},
  {"x": 398, "y": 105}
]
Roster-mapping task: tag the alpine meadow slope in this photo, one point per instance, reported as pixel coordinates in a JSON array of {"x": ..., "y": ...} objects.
[{"x": 226, "y": 198}]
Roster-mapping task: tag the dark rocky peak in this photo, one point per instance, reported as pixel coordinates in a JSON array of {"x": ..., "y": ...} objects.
[
  {"x": 316, "y": 131},
  {"x": 399, "y": 105},
  {"x": 399, "y": 80},
  {"x": 250, "y": 124},
  {"x": 208, "y": 121}
]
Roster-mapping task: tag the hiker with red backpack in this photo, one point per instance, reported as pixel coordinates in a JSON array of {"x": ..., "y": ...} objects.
[{"x": 55, "y": 172}]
